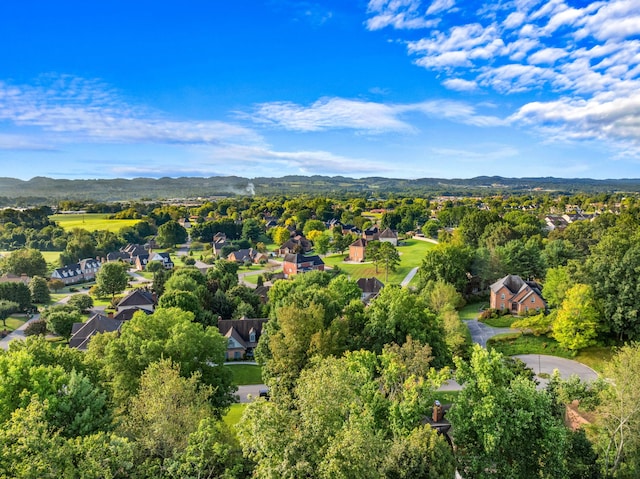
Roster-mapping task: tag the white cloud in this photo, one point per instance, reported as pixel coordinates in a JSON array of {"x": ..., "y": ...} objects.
[
  {"x": 460, "y": 84},
  {"x": 547, "y": 56},
  {"x": 364, "y": 116},
  {"x": 584, "y": 57},
  {"x": 438, "y": 6},
  {"x": 332, "y": 113},
  {"x": 76, "y": 108},
  {"x": 399, "y": 14}
]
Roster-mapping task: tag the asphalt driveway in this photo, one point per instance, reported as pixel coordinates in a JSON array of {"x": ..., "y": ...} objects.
[{"x": 481, "y": 332}]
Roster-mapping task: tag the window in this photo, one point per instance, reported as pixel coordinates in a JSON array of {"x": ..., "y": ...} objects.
[
  {"x": 502, "y": 296},
  {"x": 252, "y": 337},
  {"x": 501, "y": 305},
  {"x": 533, "y": 299}
]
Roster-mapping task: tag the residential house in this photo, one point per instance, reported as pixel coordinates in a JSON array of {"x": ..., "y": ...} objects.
[
  {"x": 141, "y": 261},
  {"x": 357, "y": 250},
  {"x": 137, "y": 299},
  {"x": 242, "y": 336},
  {"x": 299, "y": 263},
  {"x": 351, "y": 229},
  {"x": 85, "y": 270},
  {"x": 81, "y": 333},
  {"x": 247, "y": 255},
  {"x": 219, "y": 242},
  {"x": 370, "y": 288},
  {"x": 371, "y": 234},
  {"x": 14, "y": 278},
  {"x": 516, "y": 295},
  {"x": 388, "y": 236},
  {"x": 296, "y": 244}
]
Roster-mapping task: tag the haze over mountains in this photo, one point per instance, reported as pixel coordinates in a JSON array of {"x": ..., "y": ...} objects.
[{"x": 43, "y": 190}]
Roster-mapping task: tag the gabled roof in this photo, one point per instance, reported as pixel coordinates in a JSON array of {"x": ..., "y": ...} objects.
[
  {"x": 127, "y": 314},
  {"x": 360, "y": 242},
  {"x": 388, "y": 233},
  {"x": 137, "y": 297},
  {"x": 516, "y": 285},
  {"x": 370, "y": 285},
  {"x": 240, "y": 329},
  {"x": 300, "y": 258},
  {"x": 98, "y": 323}
]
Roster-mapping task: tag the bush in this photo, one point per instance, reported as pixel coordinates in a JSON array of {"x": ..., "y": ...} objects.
[
  {"x": 82, "y": 302},
  {"x": 37, "y": 327},
  {"x": 73, "y": 289},
  {"x": 188, "y": 260}
]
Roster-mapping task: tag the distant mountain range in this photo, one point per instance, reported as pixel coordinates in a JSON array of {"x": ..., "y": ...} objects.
[{"x": 41, "y": 190}]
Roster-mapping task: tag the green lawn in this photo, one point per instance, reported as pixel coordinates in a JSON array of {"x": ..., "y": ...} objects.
[
  {"x": 244, "y": 374},
  {"x": 411, "y": 255},
  {"x": 518, "y": 343},
  {"x": 252, "y": 278},
  {"x": 471, "y": 310},
  {"x": 500, "y": 321},
  {"x": 595, "y": 357},
  {"x": 233, "y": 416},
  {"x": 446, "y": 397},
  {"x": 15, "y": 321},
  {"x": 91, "y": 222}
]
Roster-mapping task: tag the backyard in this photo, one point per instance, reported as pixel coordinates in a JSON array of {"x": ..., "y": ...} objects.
[
  {"x": 91, "y": 222},
  {"x": 411, "y": 254}
]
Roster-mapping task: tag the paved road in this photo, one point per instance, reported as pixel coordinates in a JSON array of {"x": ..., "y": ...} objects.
[
  {"x": 250, "y": 392},
  {"x": 481, "y": 332},
  {"x": 566, "y": 367},
  {"x": 409, "y": 277},
  {"x": 18, "y": 334}
]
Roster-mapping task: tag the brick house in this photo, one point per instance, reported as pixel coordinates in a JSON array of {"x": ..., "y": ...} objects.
[
  {"x": 357, "y": 250},
  {"x": 516, "y": 295},
  {"x": 242, "y": 336},
  {"x": 85, "y": 270},
  {"x": 298, "y": 263}
]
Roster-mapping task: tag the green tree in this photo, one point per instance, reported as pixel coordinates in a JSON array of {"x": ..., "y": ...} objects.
[
  {"x": 389, "y": 258},
  {"x": 27, "y": 261},
  {"x": 166, "y": 410},
  {"x": 313, "y": 225},
  {"x": 496, "y": 410},
  {"x": 61, "y": 322},
  {"x": 56, "y": 285},
  {"x": 252, "y": 230},
  {"x": 321, "y": 244},
  {"x": 556, "y": 285},
  {"x": 112, "y": 278},
  {"x": 398, "y": 313},
  {"x": 171, "y": 233},
  {"x": 372, "y": 253},
  {"x": 184, "y": 300},
  {"x": 170, "y": 334},
  {"x": 577, "y": 322},
  {"x": 447, "y": 262},
  {"x": 39, "y": 290},
  {"x": 82, "y": 302},
  {"x": 280, "y": 235},
  {"x": 619, "y": 415},
  {"x": 7, "y": 308}
]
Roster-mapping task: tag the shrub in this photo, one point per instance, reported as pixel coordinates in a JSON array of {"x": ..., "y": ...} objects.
[{"x": 37, "y": 327}]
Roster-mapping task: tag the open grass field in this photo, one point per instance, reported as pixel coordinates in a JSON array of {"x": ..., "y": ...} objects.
[
  {"x": 91, "y": 222},
  {"x": 244, "y": 374},
  {"x": 470, "y": 311},
  {"x": 411, "y": 255}
]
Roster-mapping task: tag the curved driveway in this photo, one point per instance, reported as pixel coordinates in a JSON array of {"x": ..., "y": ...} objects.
[{"x": 480, "y": 332}]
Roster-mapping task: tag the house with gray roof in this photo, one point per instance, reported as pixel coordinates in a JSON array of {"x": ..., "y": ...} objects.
[{"x": 516, "y": 295}]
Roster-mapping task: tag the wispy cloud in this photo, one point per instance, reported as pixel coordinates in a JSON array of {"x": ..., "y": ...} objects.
[
  {"x": 23, "y": 142},
  {"x": 585, "y": 59},
  {"x": 212, "y": 160},
  {"x": 364, "y": 116},
  {"x": 78, "y": 109},
  {"x": 402, "y": 14}
]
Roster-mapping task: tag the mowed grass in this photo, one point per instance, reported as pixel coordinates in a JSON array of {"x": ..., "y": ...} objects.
[
  {"x": 14, "y": 321},
  {"x": 411, "y": 254},
  {"x": 244, "y": 374},
  {"x": 91, "y": 222},
  {"x": 470, "y": 311},
  {"x": 233, "y": 416}
]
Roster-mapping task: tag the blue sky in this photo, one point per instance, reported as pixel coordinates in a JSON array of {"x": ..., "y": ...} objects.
[{"x": 395, "y": 88}]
